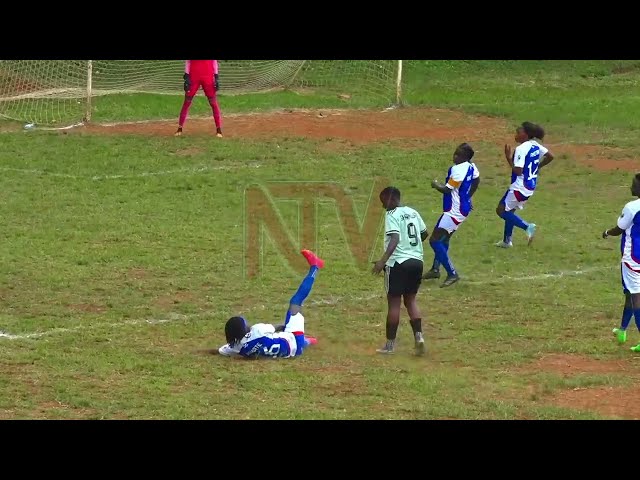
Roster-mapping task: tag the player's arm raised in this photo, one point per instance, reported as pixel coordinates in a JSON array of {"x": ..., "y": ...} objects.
[
  {"x": 444, "y": 189},
  {"x": 455, "y": 180},
  {"x": 509, "y": 154}
]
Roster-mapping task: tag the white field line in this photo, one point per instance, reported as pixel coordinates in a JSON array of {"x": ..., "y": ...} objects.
[
  {"x": 190, "y": 170},
  {"x": 329, "y": 301}
]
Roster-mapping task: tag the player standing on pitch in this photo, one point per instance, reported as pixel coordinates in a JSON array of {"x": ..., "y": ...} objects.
[
  {"x": 403, "y": 264},
  {"x": 201, "y": 73},
  {"x": 628, "y": 226},
  {"x": 461, "y": 183},
  {"x": 529, "y": 157}
]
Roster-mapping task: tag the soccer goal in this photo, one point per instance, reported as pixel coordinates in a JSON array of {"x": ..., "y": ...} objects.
[{"x": 59, "y": 93}]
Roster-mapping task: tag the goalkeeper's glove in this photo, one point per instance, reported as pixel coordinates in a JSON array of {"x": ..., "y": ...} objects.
[
  {"x": 216, "y": 81},
  {"x": 187, "y": 82}
]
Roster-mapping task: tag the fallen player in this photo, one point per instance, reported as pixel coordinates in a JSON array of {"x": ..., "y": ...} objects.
[{"x": 265, "y": 340}]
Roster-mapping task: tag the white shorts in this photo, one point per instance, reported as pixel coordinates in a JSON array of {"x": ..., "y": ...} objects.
[
  {"x": 513, "y": 200},
  {"x": 294, "y": 323},
  {"x": 630, "y": 279},
  {"x": 448, "y": 222}
]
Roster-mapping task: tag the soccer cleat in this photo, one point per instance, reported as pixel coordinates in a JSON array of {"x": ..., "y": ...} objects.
[
  {"x": 178, "y": 132},
  {"x": 310, "y": 341},
  {"x": 388, "y": 348},
  {"x": 620, "y": 334},
  {"x": 636, "y": 348},
  {"x": 420, "y": 346},
  {"x": 431, "y": 274},
  {"x": 502, "y": 244},
  {"x": 313, "y": 259},
  {"x": 451, "y": 279},
  {"x": 531, "y": 231},
  {"x": 219, "y": 132}
]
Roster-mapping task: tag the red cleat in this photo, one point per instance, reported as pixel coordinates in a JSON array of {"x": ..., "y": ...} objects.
[
  {"x": 313, "y": 259},
  {"x": 311, "y": 340}
]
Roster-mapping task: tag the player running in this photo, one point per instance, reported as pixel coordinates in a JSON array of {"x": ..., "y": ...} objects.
[
  {"x": 461, "y": 183},
  {"x": 201, "y": 73},
  {"x": 529, "y": 157},
  {"x": 265, "y": 340},
  {"x": 629, "y": 227},
  {"x": 403, "y": 264}
]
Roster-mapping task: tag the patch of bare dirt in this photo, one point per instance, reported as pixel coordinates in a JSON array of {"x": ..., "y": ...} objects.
[
  {"x": 600, "y": 157},
  {"x": 617, "y": 402},
  {"x": 569, "y": 365},
  {"x": 358, "y": 126}
]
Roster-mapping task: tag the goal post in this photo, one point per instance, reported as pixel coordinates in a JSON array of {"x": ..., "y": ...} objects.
[{"x": 58, "y": 93}]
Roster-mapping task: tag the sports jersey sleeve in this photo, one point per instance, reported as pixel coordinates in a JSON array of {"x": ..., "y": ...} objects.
[
  {"x": 391, "y": 225},
  {"x": 187, "y": 67},
  {"x": 543, "y": 150},
  {"x": 215, "y": 67},
  {"x": 456, "y": 178},
  {"x": 476, "y": 172},
  {"x": 626, "y": 218},
  {"x": 520, "y": 155}
]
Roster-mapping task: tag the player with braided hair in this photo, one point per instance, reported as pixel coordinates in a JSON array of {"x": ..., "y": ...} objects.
[
  {"x": 525, "y": 162},
  {"x": 265, "y": 340}
]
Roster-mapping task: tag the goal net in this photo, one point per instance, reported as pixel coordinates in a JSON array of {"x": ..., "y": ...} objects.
[{"x": 63, "y": 92}]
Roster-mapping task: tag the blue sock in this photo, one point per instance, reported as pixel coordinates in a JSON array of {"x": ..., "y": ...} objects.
[
  {"x": 627, "y": 313},
  {"x": 440, "y": 250},
  {"x": 436, "y": 262},
  {"x": 636, "y": 313},
  {"x": 508, "y": 231},
  {"x": 305, "y": 288},
  {"x": 515, "y": 220}
]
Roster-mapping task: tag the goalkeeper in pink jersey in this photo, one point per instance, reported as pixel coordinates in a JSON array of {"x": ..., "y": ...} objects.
[{"x": 201, "y": 73}]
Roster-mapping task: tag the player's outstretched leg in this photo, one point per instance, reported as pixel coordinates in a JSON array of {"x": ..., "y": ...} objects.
[
  {"x": 294, "y": 323},
  {"x": 627, "y": 314},
  {"x": 315, "y": 263}
]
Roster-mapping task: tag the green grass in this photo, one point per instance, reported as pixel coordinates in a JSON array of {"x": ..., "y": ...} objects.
[{"x": 132, "y": 276}]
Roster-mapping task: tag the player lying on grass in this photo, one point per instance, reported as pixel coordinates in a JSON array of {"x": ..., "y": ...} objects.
[
  {"x": 201, "y": 73},
  {"x": 402, "y": 262},
  {"x": 529, "y": 157},
  {"x": 628, "y": 226},
  {"x": 461, "y": 183},
  {"x": 265, "y": 340}
]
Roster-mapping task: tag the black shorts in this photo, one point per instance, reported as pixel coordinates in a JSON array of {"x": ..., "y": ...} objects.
[{"x": 403, "y": 278}]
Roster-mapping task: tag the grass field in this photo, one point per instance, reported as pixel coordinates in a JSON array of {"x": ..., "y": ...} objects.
[{"x": 123, "y": 257}]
